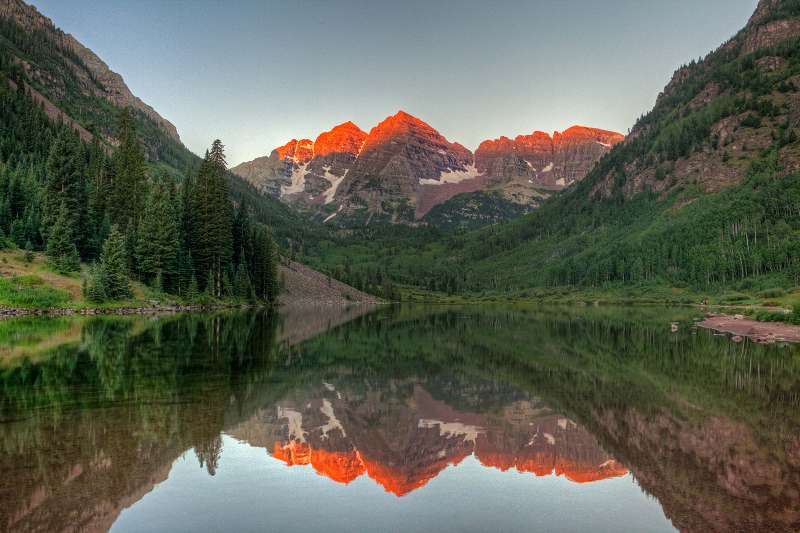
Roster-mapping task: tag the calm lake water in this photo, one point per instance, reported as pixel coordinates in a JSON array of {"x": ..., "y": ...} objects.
[{"x": 400, "y": 419}]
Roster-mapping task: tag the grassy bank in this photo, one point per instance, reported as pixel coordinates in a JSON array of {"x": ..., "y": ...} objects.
[
  {"x": 747, "y": 301},
  {"x": 33, "y": 285}
]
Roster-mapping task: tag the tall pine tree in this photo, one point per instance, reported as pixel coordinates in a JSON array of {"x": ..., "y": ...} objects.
[
  {"x": 211, "y": 223},
  {"x": 158, "y": 245},
  {"x": 127, "y": 185}
]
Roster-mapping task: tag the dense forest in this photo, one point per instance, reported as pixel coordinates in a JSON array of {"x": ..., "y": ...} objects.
[{"x": 87, "y": 202}]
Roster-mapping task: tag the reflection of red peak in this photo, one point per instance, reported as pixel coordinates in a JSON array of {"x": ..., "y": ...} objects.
[
  {"x": 400, "y": 482},
  {"x": 581, "y": 473},
  {"x": 342, "y": 467},
  {"x": 345, "y": 138}
]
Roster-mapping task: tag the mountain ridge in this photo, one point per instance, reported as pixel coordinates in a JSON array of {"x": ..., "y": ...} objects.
[
  {"x": 404, "y": 167},
  {"x": 109, "y": 84}
]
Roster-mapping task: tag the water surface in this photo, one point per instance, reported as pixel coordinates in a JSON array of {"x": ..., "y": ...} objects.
[{"x": 401, "y": 419}]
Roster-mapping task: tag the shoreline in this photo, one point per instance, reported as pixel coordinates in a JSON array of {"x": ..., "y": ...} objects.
[
  {"x": 15, "y": 312},
  {"x": 761, "y": 332}
]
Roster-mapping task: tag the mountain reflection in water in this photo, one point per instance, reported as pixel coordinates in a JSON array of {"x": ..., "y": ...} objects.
[{"x": 97, "y": 414}]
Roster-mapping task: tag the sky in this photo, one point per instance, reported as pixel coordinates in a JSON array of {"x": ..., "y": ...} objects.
[{"x": 256, "y": 73}]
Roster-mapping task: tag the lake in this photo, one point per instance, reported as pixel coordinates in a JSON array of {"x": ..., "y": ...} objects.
[{"x": 492, "y": 418}]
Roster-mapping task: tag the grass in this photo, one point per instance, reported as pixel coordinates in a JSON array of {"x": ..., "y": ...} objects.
[
  {"x": 35, "y": 285},
  {"x": 749, "y": 302},
  {"x": 779, "y": 316},
  {"x": 30, "y": 291}
]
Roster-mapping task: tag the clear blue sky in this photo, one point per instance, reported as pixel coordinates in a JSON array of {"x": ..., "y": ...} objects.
[{"x": 257, "y": 73}]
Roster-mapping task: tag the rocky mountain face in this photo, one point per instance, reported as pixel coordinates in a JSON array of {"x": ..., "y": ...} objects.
[
  {"x": 403, "y": 168},
  {"x": 545, "y": 161},
  {"x": 716, "y": 116},
  {"x": 94, "y": 76}
]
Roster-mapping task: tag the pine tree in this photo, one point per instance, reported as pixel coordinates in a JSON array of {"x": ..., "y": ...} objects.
[
  {"x": 110, "y": 281},
  {"x": 127, "y": 182},
  {"x": 211, "y": 222},
  {"x": 242, "y": 288},
  {"x": 65, "y": 186},
  {"x": 61, "y": 250},
  {"x": 158, "y": 243},
  {"x": 28, "y": 252}
]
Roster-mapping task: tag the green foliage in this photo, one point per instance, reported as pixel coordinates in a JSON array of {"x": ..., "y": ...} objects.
[
  {"x": 110, "y": 280},
  {"x": 61, "y": 251},
  {"x": 158, "y": 241},
  {"x": 31, "y": 292},
  {"x": 777, "y": 316},
  {"x": 751, "y": 121},
  {"x": 474, "y": 210},
  {"x": 28, "y": 252},
  {"x": 62, "y": 194},
  {"x": 211, "y": 219},
  {"x": 128, "y": 180},
  {"x": 775, "y": 292}
]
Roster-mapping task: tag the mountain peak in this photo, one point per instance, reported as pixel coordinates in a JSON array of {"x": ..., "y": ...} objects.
[
  {"x": 349, "y": 125},
  {"x": 346, "y": 138},
  {"x": 401, "y": 117},
  {"x": 300, "y": 151}
]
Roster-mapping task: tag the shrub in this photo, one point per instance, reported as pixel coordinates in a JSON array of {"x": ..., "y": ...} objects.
[
  {"x": 772, "y": 293},
  {"x": 751, "y": 121},
  {"x": 733, "y": 297}
]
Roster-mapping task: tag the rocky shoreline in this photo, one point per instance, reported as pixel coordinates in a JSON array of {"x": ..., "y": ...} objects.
[
  {"x": 764, "y": 332},
  {"x": 137, "y": 310}
]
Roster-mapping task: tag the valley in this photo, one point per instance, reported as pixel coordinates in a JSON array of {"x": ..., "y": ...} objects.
[{"x": 698, "y": 203}]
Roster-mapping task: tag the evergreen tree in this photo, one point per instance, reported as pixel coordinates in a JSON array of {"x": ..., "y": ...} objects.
[
  {"x": 158, "y": 244},
  {"x": 211, "y": 221},
  {"x": 65, "y": 185},
  {"x": 110, "y": 281},
  {"x": 127, "y": 183},
  {"x": 242, "y": 288},
  {"x": 61, "y": 250}
]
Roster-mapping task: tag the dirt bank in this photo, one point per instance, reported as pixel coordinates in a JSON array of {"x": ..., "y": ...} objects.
[{"x": 758, "y": 331}]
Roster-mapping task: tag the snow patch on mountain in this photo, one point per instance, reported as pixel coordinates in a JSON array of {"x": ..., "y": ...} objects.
[
  {"x": 335, "y": 180},
  {"x": 298, "y": 181},
  {"x": 453, "y": 176}
]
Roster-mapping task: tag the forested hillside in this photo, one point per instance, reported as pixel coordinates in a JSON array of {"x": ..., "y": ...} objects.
[
  {"x": 84, "y": 180},
  {"x": 70, "y": 198}
]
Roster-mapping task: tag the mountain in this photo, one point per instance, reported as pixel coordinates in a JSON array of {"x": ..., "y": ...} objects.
[
  {"x": 403, "y": 168},
  {"x": 701, "y": 194},
  {"x": 717, "y": 115},
  {"x": 305, "y": 171},
  {"x": 553, "y": 162}
]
